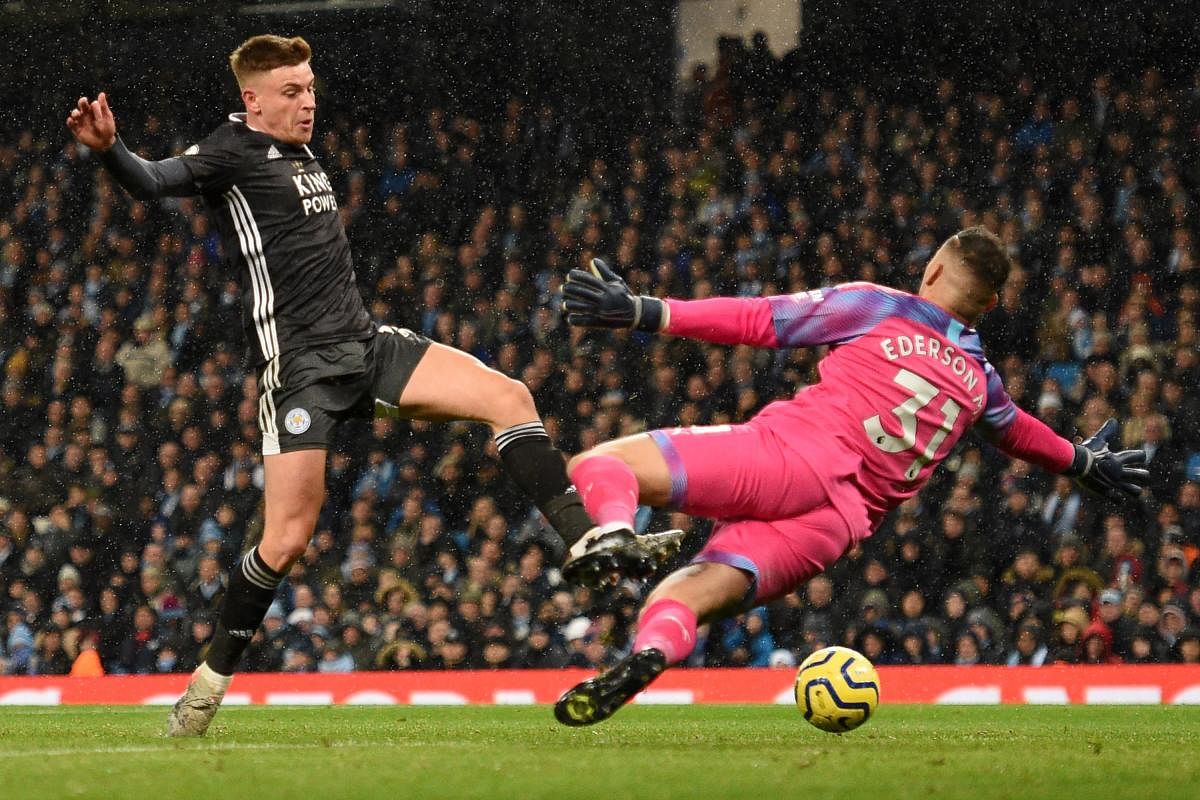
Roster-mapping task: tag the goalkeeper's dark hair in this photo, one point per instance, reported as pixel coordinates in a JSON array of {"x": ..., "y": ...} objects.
[
  {"x": 265, "y": 52},
  {"x": 982, "y": 253}
]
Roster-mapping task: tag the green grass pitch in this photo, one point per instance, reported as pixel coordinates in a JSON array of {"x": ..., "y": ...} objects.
[{"x": 654, "y": 752}]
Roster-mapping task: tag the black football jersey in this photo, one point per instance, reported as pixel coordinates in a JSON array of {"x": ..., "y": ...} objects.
[{"x": 277, "y": 216}]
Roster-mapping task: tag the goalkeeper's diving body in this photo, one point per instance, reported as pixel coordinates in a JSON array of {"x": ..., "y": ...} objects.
[{"x": 807, "y": 478}]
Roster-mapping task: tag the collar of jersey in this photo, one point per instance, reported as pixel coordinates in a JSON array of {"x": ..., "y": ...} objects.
[
  {"x": 240, "y": 118},
  {"x": 953, "y": 328}
]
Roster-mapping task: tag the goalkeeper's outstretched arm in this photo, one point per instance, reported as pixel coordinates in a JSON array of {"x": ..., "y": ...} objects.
[
  {"x": 601, "y": 299},
  {"x": 1116, "y": 476}
]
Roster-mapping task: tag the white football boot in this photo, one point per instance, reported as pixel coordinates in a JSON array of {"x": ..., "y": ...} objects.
[{"x": 192, "y": 713}]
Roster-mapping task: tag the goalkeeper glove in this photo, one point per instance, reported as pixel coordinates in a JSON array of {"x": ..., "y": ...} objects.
[
  {"x": 1117, "y": 476},
  {"x": 600, "y": 299}
]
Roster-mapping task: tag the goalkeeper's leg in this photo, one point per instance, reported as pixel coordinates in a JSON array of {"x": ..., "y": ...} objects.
[
  {"x": 666, "y": 635},
  {"x": 745, "y": 563},
  {"x": 718, "y": 471},
  {"x": 612, "y": 480}
]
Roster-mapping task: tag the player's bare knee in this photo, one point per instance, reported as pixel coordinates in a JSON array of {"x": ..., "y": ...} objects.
[
  {"x": 293, "y": 545},
  {"x": 676, "y": 585},
  {"x": 288, "y": 542},
  {"x": 709, "y": 589},
  {"x": 615, "y": 449},
  {"x": 574, "y": 461},
  {"x": 509, "y": 402}
]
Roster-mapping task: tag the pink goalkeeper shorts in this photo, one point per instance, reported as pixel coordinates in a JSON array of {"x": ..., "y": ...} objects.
[{"x": 778, "y": 518}]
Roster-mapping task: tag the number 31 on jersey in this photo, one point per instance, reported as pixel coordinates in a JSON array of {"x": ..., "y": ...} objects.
[{"x": 923, "y": 393}]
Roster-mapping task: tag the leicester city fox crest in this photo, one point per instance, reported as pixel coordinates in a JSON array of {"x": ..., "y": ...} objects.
[{"x": 297, "y": 421}]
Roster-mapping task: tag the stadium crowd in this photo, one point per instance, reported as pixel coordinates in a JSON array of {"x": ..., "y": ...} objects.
[{"x": 129, "y": 472}]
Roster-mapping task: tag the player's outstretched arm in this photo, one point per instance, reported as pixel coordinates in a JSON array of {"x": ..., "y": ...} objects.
[
  {"x": 1118, "y": 476},
  {"x": 601, "y": 299},
  {"x": 93, "y": 125}
]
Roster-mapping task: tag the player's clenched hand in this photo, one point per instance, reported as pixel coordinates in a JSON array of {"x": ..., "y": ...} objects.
[
  {"x": 93, "y": 124},
  {"x": 600, "y": 299},
  {"x": 1117, "y": 476}
]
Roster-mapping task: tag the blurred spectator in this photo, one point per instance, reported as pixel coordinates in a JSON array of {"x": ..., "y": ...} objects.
[
  {"x": 1067, "y": 644},
  {"x": 1029, "y": 647},
  {"x": 540, "y": 651},
  {"x": 49, "y": 658},
  {"x": 87, "y": 663},
  {"x": 141, "y": 646},
  {"x": 18, "y": 645},
  {"x": 146, "y": 357},
  {"x": 1120, "y": 627},
  {"x": 1187, "y": 646},
  {"x": 1097, "y": 645}
]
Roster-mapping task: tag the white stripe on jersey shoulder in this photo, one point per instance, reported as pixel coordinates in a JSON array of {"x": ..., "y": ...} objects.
[
  {"x": 263, "y": 312},
  {"x": 310, "y": 152},
  {"x": 238, "y": 116}
]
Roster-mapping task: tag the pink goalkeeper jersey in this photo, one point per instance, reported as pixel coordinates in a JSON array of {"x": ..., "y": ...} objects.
[{"x": 901, "y": 384}]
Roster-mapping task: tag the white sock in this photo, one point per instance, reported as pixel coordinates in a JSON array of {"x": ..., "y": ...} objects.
[{"x": 210, "y": 681}]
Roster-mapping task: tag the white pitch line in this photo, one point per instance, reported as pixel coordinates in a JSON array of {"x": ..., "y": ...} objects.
[
  {"x": 45, "y": 711},
  {"x": 174, "y": 747}
]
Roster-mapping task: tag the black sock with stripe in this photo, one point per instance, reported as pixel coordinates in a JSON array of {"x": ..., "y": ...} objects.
[
  {"x": 252, "y": 586},
  {"x": 535, "y": 465}
]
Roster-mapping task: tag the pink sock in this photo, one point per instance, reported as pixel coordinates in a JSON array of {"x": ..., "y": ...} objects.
[
  {"x": 608, "y": 488},
  {"x": 669, "y": 626}
]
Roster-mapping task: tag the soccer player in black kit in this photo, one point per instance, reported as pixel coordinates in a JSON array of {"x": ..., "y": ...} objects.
[{"x": 319, "y": 357}]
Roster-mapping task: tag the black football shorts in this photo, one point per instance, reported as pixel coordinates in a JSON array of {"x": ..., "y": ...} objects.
[{"x": 304, "y": 394}]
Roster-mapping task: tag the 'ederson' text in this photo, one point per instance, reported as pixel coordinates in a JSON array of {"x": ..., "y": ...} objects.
[{"x": 927, "y": 346}]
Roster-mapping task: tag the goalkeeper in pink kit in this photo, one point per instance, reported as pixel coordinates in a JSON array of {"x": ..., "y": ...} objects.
[{"x": 807, "y": 478}]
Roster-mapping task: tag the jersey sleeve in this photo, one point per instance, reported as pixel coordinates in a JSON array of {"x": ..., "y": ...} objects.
[
  {"x": 723, "y": 320},
  {"x": 999, "y": 410},
  {"x": 1018, "y": 433},
  {"x": 147, "y": 180},
  {"x": 833, "y": 315},
  {"x": 215, "y": 162}
]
